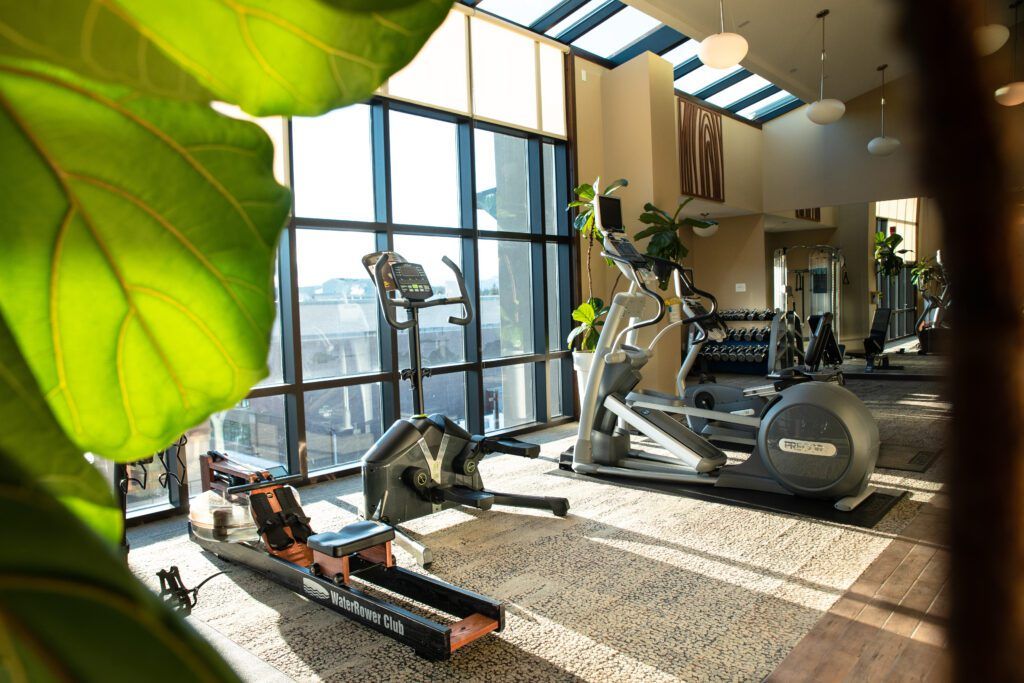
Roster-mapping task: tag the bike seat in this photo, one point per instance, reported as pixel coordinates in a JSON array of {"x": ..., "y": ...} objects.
[{"x": 351, "y": 538}]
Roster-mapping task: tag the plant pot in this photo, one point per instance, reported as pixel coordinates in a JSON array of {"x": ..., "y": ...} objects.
[{"x": 581, "y": 362}]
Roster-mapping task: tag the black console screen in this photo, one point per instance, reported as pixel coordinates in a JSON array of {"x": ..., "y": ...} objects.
[
  {"x": 611, "y": 214},
  {"x": 412, "y": 281}
]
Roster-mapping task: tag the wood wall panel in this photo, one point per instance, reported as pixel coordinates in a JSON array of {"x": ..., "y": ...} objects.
[{"x": 700, "y": 152}]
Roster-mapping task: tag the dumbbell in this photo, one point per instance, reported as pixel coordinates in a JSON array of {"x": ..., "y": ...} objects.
[
  {"x": 762, "y": 334},
  {"x": 761, "y": 354},
  {"x": 749, "y": 354},
  {"x": 734, "y": 353},
  {"x": 748, "y": 335}
]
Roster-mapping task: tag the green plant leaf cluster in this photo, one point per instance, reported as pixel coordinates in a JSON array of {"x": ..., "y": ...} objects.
[
  {"x": 71, "y": 611},
  {"x": 927, "y": 273},
  {"x": 136, "y": 278},
  {"x": 663, "y": 231},
  {"x": 585, "y": 224},
  {"x": 590, "y": 315},
  {"x": 888, "y": 259}
]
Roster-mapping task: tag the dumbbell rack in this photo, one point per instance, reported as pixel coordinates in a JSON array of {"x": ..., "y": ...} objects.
[{"x": 747, "y": 353}]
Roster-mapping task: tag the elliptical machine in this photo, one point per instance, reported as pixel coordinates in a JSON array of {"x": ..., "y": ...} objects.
[
  {"x": 816, "y": 439},
  {"x": 424, "y": 464}
]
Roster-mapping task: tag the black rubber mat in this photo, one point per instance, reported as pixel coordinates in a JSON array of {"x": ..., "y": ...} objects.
[
  {"x": 905, "y": 458},
  {"x": 866, "y": 515}
]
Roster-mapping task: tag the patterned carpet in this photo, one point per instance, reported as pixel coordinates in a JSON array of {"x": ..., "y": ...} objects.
[{"x": 630, "y": 586}]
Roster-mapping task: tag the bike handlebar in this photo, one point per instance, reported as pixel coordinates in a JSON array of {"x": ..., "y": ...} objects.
[
  {"x": 463, "y": 295},
  {"x": 389, "y": 305}
]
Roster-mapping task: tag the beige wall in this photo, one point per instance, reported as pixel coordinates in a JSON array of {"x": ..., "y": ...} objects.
[
  {"x": 742, "y": 157},
  {"x": 734, "y": 256},
  {"x": 806, "y": 165},
  {"x": 629, "y": 113}
]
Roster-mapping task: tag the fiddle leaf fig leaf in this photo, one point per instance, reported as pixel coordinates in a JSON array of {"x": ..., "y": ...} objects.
[
  {"x": 95, "y": 39},
  {"x": 39, "y": 447},
  {"x": 301, "y": 57},
  {"x": 136, "y": 273},
  {"x": 61, "y": 608}
]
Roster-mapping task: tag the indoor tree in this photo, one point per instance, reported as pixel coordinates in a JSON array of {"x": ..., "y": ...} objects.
[{"x": 136, "y": 278}]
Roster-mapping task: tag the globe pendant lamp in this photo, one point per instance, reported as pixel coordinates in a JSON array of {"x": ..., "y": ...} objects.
[
  {"x": 990, "y": 37},
  {"x": 1012, "y": 94},
  {"x": 824, "y": 112},
  {"x": 722, "y": 50},
  {"x": 883, "y": 146}
]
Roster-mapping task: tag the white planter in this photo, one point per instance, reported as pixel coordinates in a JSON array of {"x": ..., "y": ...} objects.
[{"x": 581, "y": 362}]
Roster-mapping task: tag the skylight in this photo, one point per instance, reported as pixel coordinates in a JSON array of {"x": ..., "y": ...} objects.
[
  {"x": 734, "y": 93},
  {"x": 766, "y": 105},
  {"x": 612, "y": 32},
  {"x": 523, "y": 12},
  {"x": 682, "y": 53},
  {"x": 621, "y": 30},
  {"x": 575, "y": 17},
  {"x": 703, "y": 77}
]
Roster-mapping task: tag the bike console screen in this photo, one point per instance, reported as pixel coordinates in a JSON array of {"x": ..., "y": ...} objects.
[{"x": 412, "y": 281}]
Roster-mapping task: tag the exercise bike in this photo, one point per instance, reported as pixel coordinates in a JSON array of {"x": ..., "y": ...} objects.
[
  {"x": 816, "y": 439},
  {"x": 424, "y": 464}
]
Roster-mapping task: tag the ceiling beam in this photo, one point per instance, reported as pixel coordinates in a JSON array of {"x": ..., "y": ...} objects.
[
  {"x": 754, "y": 97},
  {"x": 780, "y": 110},
  {"x": 722, "y": 83},
  {"x": 591, "y": 21},
  {"x": 661, "y": 39},
  {"x": 556, "y": 14}
]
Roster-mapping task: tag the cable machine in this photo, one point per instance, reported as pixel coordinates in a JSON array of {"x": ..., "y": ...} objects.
[{"x": 819, "y": 285}]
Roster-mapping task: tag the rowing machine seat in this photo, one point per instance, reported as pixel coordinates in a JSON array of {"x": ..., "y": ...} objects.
[{"x": 351, "y": 538}]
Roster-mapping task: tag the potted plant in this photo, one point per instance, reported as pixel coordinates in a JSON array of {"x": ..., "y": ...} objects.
[
  {"x": 928, "y": 275},
  {"x": 888, "y": 261},
  {"x": 589, "y": 314},
  {"x": 664, "y": 233}
]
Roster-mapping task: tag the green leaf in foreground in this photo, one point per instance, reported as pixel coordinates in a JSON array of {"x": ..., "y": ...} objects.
[
  {"x": 36, "y": 442},
  {"x": 71, "y": 611},
  {"x": 95, "y": 39},
  {"x": 139, "y": 241},
  {"x": 301, "y": 57}
]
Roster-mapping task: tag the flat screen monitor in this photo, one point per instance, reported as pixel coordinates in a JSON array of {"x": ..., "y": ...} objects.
[{"x": 611, "y": 214}]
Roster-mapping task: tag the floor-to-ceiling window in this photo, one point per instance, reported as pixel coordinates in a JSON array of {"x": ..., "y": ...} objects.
[
  {"x": 427, "y": 182},
  {"x": 897, "y": 292}
]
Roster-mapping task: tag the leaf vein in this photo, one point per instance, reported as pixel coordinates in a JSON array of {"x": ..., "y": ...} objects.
[
  {"x": 157, "y": 133},
  {"x": 174, "y": 232}
]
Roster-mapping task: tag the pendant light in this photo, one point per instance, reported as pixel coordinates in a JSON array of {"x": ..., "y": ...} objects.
[
  {"x": 1012, "y": 94},
  {"x": 722, "y": 50},
  {"x": 824, "y": 112},
  {"x": 990, "y": 37},
  {"x": 883, "y": 146}
]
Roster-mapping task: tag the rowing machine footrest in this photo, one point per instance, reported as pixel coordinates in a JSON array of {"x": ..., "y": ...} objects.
[
  {"x": 461, "y": 495},
  {"x": 510, "y": 446},
  {"x": 351, "y": 538}
]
